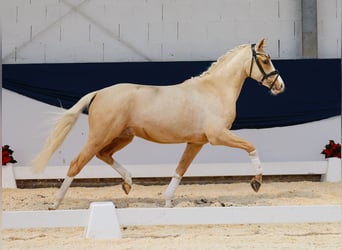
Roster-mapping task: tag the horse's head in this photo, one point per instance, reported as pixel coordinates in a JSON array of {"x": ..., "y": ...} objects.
[{"x": 262, "y": 69}]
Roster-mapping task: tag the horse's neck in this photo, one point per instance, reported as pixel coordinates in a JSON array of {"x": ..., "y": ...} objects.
[{"x": 229, "y": 78}]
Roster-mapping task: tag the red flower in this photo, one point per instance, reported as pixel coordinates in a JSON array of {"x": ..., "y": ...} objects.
[
  {"x": 332, "y": 150},
  {"x": 7, "y": 155}
]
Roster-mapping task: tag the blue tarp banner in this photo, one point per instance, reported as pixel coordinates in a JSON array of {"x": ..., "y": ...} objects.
[{"x": 313, "y": 87}]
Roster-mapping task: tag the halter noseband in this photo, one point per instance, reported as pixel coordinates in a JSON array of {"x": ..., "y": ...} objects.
[{"x": 265, "y": 75}]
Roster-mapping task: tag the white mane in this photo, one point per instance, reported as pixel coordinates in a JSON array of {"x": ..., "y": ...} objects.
[{"x": 222, "y": 58}]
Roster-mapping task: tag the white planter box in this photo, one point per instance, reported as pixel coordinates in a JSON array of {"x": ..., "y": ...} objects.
[
  {"x": 8, "y": 179},
  {"x": 333, "y": 173}
]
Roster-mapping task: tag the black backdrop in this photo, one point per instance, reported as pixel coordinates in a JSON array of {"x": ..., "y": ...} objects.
[{"x": 313, "y": 87}]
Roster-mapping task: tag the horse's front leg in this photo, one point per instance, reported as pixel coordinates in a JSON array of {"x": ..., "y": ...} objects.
[
  {"x": 189, "y": 154},
  {"x": 257, "y": 180},
  {"x": 227, "y": 138}
]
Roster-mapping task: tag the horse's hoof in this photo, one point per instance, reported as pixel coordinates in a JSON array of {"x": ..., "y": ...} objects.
[
  {"x": 126, "y": 187},
  {"x": 54, "y": 206},
  {"x": 168, "y": 204},
  {"x": 256, "y": 182}
]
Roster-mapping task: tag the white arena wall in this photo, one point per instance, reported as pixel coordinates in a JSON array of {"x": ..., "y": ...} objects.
[
  {"x": 26, "y": 126},
  {"x": 53, "y": 31}
]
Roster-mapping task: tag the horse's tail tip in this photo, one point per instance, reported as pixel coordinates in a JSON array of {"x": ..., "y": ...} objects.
[{"x": 37, "y": 167}]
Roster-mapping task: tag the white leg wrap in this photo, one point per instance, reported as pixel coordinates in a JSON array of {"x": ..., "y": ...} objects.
[
  {"x": 172, "y": 187},
  {"x": 256, "y": 162},
  {"x": 126, "y": 176},
  {"x": 62, "y": 191}
]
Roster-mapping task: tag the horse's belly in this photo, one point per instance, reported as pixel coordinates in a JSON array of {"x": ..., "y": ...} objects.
[{"x": 168, "y": 135}]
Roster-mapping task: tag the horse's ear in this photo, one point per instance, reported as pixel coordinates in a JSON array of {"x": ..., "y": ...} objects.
[{"x": 262, "y": 43}]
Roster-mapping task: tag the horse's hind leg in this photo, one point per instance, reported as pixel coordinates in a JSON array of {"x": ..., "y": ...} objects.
[
  {"x": 61, "y": 192},
  {"x": 106, "y": 153},
  {"x": 189, "y": 154},
  {"x": 76, "y": 166}
]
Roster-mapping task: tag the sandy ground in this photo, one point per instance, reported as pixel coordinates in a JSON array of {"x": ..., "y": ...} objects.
[{"x": 259, "y": 236}]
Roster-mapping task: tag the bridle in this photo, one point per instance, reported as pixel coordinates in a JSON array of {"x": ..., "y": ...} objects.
[{"x": 265, "y": 75}]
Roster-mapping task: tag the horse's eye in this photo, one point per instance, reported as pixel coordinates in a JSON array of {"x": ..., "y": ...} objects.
[{"x": 266, "y": 61}]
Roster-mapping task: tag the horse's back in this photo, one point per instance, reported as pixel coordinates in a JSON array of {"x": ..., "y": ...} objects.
[
  {"x": 141, "y": 95},
  {"x": 132, "y": 100}
]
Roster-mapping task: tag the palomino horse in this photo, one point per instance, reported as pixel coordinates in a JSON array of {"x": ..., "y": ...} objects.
[{"x": 197, "y": 111}]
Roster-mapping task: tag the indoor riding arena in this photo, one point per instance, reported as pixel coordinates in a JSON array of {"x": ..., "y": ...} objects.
[{"x": 169, "y": 124}]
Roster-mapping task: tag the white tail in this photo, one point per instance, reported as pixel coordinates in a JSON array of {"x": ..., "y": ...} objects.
[{"x": 60, "y": 131}]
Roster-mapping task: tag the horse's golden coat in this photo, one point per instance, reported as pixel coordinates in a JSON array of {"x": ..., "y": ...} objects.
[{"x": 198, "y": 111}]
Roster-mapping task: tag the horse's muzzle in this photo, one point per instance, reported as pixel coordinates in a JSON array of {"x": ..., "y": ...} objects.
[{"x": 278, "y": 87}]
